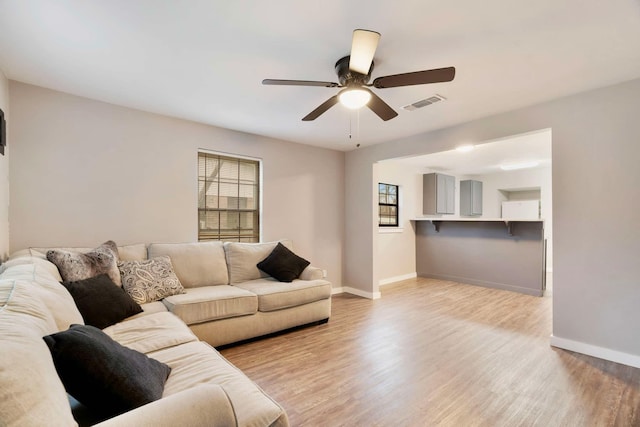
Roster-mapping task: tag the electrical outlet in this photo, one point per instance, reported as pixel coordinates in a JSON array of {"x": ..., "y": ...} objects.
[{"x": 324, "y": 274}]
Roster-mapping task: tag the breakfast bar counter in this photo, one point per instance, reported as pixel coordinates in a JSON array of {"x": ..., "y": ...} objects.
[{"x": 501, "y": 253}]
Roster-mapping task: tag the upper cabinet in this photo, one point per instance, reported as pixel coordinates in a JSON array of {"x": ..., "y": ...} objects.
[
  {"x": 438, "y": 194},
  {"x": 470, "y": 197}
]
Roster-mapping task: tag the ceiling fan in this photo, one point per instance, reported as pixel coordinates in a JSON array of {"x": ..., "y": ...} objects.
[{"x": 354, "y": 72}]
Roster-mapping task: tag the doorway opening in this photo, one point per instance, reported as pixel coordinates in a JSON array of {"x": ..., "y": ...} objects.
[{"x": 516, "y": 178}]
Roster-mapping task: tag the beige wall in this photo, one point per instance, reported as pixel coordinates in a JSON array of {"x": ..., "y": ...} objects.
[
  {"x": 397, "y": 247},
  {"x": 595, "y": 211},
  {"x": 84, "y": 171},
  {"x": 4, "y": 173}
]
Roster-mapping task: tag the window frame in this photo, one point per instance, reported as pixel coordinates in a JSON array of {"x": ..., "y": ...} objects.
[
  {"x": 256, "y": 236},
  {"x": 396, "y": 205}
]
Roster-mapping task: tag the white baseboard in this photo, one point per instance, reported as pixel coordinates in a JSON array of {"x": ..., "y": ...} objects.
[
  {"x": 336, "y": 290},
  {"x": 360, "y": 293},
  {"x": 394, "y": 279},
  {"x": 596, "y": 351}
]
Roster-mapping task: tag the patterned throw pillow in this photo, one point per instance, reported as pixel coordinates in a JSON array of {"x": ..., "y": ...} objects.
[
  {"x": 74, "y": 266},
  {"x": 150, "y": 280}
]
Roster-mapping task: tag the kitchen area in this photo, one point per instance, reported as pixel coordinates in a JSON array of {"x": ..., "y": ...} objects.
[{"x": 481, "y": 216}]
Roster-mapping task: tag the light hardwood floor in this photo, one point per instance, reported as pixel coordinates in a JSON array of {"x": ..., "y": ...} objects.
[{"x": 433, "y": 352}]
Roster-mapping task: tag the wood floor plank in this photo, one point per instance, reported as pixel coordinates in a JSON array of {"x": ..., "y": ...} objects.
[{"x": 434, "y": 352}]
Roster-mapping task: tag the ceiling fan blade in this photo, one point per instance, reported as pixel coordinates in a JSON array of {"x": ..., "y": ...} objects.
[
  {"x": 321, "y": 109},
  {"x": 381, "y": 108},
  {"x": 298, "y": 83},
  {"x": 363, "y": 47},
  {"x": 437, "y": 75}
]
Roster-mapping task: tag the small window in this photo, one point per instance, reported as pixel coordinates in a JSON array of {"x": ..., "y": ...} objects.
[
  {"x": 387, "y": 205},
  {"x": 228, "y": 198}
]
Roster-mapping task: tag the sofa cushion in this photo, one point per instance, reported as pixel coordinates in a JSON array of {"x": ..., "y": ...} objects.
[
  {"x": 243, "y": 258},
  {"x": 152, "y": 332},
  {"x": 149, "y": 280},
  {"x": 101, "y": 302},
  {"x": 102, "y": 374},
  {"x": 31, "y": 393},
  {"x": 198, "y": 363},
  {"x": 283, "y": 264},
  {"x": 153, "y": 307},
  {"x": 195, "y": 264},
  {"x": 274, "y": 295},
  {"x": 150, "y": 308},
  {"x": 203, "y": 405},
  {"x": 311, "y": 273},
  {"x": 136, "y": 252},
  {"x": 78, "y": 266},
  {"x": 199, "y": 305},
  {"x": 26, "y": 259},
  {"x": 39, "y": 282}
]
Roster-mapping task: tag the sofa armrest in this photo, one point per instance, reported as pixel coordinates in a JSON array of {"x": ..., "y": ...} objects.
[
  {"x": 311, "y": 273},
  {"x": 204, "y": 405}
]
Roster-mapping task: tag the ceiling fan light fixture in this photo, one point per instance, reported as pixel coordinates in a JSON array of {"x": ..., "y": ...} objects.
[{"x": 354, "y": 98}]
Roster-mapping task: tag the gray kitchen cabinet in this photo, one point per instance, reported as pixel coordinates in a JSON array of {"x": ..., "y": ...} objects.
[
  {"x": 470, "y": 197},
  {"x": 438, "y": 195}
]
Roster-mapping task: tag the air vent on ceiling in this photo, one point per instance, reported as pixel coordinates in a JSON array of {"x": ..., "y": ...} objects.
[{"x": 424, "y": 102}]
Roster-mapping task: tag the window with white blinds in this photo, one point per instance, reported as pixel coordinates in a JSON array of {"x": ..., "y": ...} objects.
[{"x": 228, "y": 198}]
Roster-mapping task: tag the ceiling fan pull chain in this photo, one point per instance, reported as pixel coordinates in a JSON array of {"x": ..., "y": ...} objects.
[{"x": 350, "y": 115}]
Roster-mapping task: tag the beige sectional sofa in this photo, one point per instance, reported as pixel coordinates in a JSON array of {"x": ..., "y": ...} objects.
[{"x": 226, "y": 299}]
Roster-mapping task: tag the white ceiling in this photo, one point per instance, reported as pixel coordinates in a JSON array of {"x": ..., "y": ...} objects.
[
  {"x": 486, "y": 158},
  {"x": 204, "y": 60}
]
